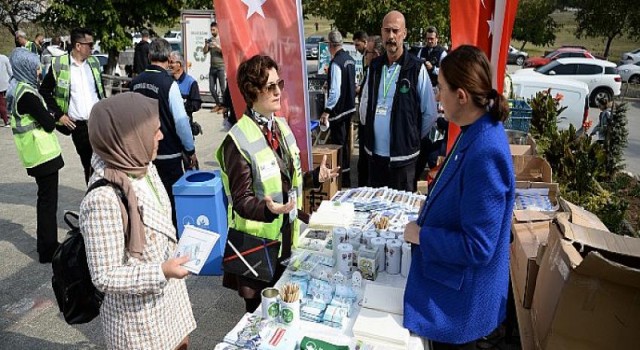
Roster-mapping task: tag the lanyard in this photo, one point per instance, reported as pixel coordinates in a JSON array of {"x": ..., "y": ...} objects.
[
  {"x": 386, "y": 85},
  {"x": 421, "y": 216},
  {"x": 153, "y": 188}
]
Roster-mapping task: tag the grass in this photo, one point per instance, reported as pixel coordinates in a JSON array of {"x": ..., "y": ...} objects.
[{"x": 566, "y": 36}]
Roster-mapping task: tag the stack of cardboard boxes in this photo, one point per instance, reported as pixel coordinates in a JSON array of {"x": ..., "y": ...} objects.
[{"x": 576, "y": 285}]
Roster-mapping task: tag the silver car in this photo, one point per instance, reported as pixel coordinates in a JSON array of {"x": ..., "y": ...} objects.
[
  {"x": 630, "y": 57},
  {"x": 516, "y": 56},
  {"x": 630, "y": 72}
]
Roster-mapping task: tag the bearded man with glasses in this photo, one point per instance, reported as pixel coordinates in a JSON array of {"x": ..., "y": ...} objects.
[{"x": 71, "y": 87}]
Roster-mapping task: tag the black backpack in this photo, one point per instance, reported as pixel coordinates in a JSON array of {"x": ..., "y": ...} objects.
[{"x": 78, "y": 299}]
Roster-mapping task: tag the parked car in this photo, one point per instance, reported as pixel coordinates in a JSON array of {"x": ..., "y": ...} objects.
[
  {"x": 601, "y": 76},
  {"x": 173, "y": 34},
  {"x": 311, "y": 45},
  {"x": 516, "y": 56},
  {"x": 565, "y": 52},
  {"x": 630, "y": 57},
  {"x": 103, "y": 59},
  {"x": 575, "y": 95},
  {"x": 176, "y": 44},
  {"x": 630, "y": 73}
]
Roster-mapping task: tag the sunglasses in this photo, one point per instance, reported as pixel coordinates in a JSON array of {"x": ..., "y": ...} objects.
[
  {"x": 88, "y": 44},
  {"x": 272, "y": 87}
]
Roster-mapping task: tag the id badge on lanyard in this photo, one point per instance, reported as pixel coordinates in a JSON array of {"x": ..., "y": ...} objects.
[{"x": 293, "y": 196}]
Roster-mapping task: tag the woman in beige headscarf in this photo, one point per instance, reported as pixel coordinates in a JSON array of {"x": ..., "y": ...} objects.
[{"x": 129, "y": 250}]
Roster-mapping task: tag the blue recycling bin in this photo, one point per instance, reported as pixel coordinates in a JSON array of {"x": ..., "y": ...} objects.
[{"x": 201, "y": 202}]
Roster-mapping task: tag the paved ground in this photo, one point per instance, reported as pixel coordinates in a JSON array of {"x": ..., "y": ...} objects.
[{"x": 29, "y": 317}]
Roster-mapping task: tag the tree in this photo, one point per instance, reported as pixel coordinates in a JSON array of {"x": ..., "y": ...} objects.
[
  {"x": 534, "y": 23},
  {"x": 16, "y": 12},
  {"x": 112, "y": 20},
  {"x": 353, "y": 15},
  {"x": 610, "y": 19}
]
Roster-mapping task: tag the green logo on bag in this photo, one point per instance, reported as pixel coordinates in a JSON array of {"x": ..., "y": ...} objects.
[
  {"x": 287, "y": 315},
  {"x": 273, "y": 310}
]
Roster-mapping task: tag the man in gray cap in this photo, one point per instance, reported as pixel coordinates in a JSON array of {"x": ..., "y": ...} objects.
[{"x": 341, "y": 101}]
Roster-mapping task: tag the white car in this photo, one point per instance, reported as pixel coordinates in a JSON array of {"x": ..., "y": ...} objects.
[
  {"x": 630, "y": 72},
  {"x": 601, "y": 76},
  {"x": 630, "y": 57},
  {"x": 173, "y": 34},
  {"x": 103, "y": 59},
  {"x": 575, "y": 95}
]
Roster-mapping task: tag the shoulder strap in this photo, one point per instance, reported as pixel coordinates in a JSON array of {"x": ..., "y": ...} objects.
[{"x": 119, "y": 192}]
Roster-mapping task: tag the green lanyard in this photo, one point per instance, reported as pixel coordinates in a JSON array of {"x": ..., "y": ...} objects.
[
  {"x": 155, "y": 191},
  {"x": 386, "y": 85}
]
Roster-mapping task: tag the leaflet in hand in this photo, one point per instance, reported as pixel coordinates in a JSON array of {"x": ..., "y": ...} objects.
[{"x": 197, "y": 243}]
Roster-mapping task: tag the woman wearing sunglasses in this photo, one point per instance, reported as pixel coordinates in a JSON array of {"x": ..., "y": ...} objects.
[{"x": 260, "y": 163}]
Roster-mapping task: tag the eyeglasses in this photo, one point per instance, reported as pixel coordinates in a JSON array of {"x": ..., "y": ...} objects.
[
  {"x": 90, "y": 44},
  {"x": 272, "y": 86}
]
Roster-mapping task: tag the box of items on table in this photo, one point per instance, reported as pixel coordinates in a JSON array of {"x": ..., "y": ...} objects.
[
  {"x": 312, "y": 197},
  {"x": 588, "y": 286}
]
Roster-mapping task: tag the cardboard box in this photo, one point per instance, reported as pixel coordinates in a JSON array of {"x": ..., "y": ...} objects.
[
  {"x": 531, "y": 215},
  {"x": 532, "y": 168},
  {"x": 527, "y": 239},
  {"x": 580, "y": 216},
  {"x": 314, "y": 196},
  {"x": 522, "y": 145},
  {"x": 588, "y": 290}
]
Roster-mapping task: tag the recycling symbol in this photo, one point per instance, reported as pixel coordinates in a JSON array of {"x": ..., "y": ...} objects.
[{"x": 199, "y": 55}]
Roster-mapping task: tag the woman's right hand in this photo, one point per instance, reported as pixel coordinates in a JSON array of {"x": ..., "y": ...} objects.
[
  {"x": 172, "y": 267},
  {"x": 278, "y": 208}
]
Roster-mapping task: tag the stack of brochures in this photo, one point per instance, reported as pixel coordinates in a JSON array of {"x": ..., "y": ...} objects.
[{"x": 332, "y": 214}]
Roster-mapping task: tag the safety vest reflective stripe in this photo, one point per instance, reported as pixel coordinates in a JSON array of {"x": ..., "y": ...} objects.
[
  {"x": 62, "y": 75},
  {"x": 35, "y": 146},
  {"x": 267, "y": 179}
]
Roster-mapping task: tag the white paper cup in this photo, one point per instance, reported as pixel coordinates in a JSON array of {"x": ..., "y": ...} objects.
[
  {"x": 394, "y": 256},
  {"x": 290, "y": 313},
  {"x": 324, "y": 127},
  {"x": 270, "y": 305},
  {"x": 345, "y": 258},
  {"x": 406, "y": 259}
]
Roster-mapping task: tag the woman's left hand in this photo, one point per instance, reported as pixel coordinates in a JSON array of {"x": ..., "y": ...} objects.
[
  {"x": 278, "y": 208},
  {"x": 326, "y": 173},
  {"x": 412, "y": 233}
]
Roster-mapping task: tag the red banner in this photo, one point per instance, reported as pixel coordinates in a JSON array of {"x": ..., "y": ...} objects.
[
  {"x": 274, "y": 28},
  {"x": 487, "y": 24}
]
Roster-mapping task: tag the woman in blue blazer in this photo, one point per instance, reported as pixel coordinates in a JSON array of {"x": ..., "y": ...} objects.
[{"x": 457, "y": 286}]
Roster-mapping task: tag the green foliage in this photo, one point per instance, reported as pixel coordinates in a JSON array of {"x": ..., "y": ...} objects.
[
  {"x": 15, "y": 13},
  {"x": 353, "y": 15},
  {"x": 608, "y": 19},
  {"x": 544, "y": 119},
  {"x": 534, "y": 23},
  {"x": 579, "y": 164},
  {"x": 112, "y": 20},
  {"x": 615, "y": 140}
]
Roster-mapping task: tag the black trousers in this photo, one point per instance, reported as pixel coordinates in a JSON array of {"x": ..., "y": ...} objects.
[
  {"x": 363, "y": 158},
  {"x": 47, "y": 208},
  {"x": 445, "y": 346},
  {"x": 341, "y": 135},
  {"x": 399, "y": 178},
  {"x": 80, "y": 137},
  {"x": 170, "y": 171}
]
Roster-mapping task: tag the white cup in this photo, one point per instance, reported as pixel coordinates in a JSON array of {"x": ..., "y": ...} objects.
[{"x": 270, "y": 305}]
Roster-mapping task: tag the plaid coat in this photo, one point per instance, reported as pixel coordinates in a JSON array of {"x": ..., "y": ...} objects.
[{"x": 141, "y": 309}]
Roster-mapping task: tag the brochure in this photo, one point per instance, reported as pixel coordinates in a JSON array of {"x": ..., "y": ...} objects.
[{"x": 198, "y": 244}]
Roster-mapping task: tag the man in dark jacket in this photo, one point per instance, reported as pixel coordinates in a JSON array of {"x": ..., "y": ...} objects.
[
  {"x": 432, "y": 54},
  {"x": 188, "y": 89},
  {"x": 341, "y": 101},
  {"x": 156, "y": 83},
  {"x": 400, "y": 109},
  {"x": 141, "y": 54}
]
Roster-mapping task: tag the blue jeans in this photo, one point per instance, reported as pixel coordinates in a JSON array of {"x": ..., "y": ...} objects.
[{"x": 217, "y": 77}]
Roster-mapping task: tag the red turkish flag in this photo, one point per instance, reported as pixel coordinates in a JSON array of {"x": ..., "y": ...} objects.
[
  {"x": 487, "y": 24},
  {"x": 273, "y": 28}
]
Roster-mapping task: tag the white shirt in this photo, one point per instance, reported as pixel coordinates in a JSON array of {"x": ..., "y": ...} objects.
[{"x": 83, "y": 90}]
